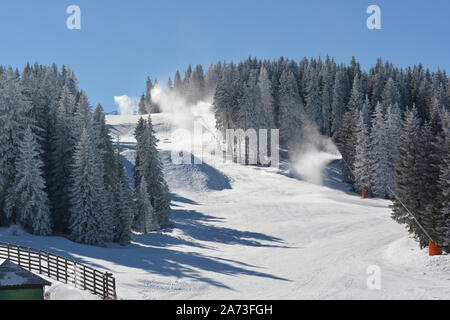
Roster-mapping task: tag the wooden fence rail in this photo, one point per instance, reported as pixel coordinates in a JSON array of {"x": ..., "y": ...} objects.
[{"x": 61, "y": 269}]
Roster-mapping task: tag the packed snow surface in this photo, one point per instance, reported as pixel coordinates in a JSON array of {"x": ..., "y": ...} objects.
[{"x": 242, "y": 232}]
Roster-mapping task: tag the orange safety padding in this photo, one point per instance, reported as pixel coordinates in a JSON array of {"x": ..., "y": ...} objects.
[
  {"x": 434, "y": 249},
  {"x": 364, "y": 194}
]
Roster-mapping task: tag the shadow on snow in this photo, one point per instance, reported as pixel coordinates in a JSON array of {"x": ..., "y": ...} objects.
[{"x": 150, "y": 252}]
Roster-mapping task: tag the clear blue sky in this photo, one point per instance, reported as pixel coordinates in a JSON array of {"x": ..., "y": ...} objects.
[{"x": 121, "y": 42}]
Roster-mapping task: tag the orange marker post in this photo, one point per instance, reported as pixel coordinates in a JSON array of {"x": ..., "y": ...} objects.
[
  {"x": 434, "y": 250},
  {"x": 364, "y": 194}
]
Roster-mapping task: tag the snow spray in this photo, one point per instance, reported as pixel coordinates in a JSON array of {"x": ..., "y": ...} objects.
[{"x": 313, "y": 152}]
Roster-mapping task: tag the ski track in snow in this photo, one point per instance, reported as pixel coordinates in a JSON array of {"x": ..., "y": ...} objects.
[{"x": 254, "y": 233}]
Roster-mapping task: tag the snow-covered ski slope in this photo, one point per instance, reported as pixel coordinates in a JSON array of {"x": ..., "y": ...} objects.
[{"x": 255, "y": 233}]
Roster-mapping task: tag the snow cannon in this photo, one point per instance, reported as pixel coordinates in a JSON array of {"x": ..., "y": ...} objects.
[
  {"x": 434, "y": 249},
  {"x": 364, "y": 194}
]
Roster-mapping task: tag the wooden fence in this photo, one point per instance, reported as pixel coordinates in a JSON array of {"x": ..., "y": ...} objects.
[{"x": 61, "y": 269}]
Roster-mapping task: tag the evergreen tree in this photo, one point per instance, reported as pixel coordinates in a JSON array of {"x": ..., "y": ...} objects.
[
  {"x": 148, "y": 96},
  {"x": 357, "y": 97},
  {"x": 313, "y": 105},
  {"x": 150, "y": 170},
  {"x": 393, "y": 132},
  {"x": 169, "y": 85},
  {"x": 362, "y": 158},
  {"x": 87, "y": 193},
  {"x": 430, "y": 155},
  {"x": 408, "y": 187},
  {"x": 346, "y": 144},
  {"x": 247, "y": 119},
  {"x": 105, "y": 146},
  {"x": 226, "y": 99},
  {"x": 442, "y": 231},
  {"x": 63, "y": 148},
  {"x": 291, "y": 108},
  {"x": 267, "y": 100},
  {"x": 177, "y": 84},
  {"x": 125, "y": 207},
  {"x": 326, "y": 98},
  {"x": 146, "y": 219},
  {"x": 212, "y": 78},
  {"x": 142, "y": 108},
  {"x": 186, "y": 85},
  {"x": 138, "y": 132},
  {"x": 390, "y": 95},
  {"x": 28, "y": 200},
  {"x": 196, "y": 84},
  {"x": 379, "y": 154},
  {"x": 14, "y": 118},
  {"x": 338, "y": 105}
]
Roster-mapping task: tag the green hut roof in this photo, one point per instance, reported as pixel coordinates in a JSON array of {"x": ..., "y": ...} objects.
[{"x": 14, "y": 276}]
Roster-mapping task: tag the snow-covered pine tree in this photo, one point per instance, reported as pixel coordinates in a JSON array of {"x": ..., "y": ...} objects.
[
  {"x": 357, "y": 96},
  {"x": 443, "y": 228},
  {"x": 45, "y": 111},
  {"x": 27, "y": 201},
  {"x": 122, "y": 204},
  {"x": 142, "y": 108},
  {"x": 366, "y": 112},
  {"x": 347, "y": 138},
  {"x": 347, "y": 144},
  {"x": 379, "y": 154},
  {"x": 177, "y": 83},
  {"x": 63, "y": 146},
  {"x": 267, "y": 100},
  {"x": 169, "y": 85},
  {"x": 106, "y": 148},
  {"x": 247, "y": 118},
  {"x": 430, "y": 157},
  {"x": 150, "y": 170},
  {"x": 88, "y": 196},
  {"x": 313, "y": 106},
  {"x": 148, "y": 96},
  {"x": 83, "y": 115},
  {"x": 390, "y": 95},
  {"x": 393, "y": 132},
  {"x": 185, "y": 88},
  {"x": 362, "y": 161},
  {"x": 146, "y": 218},
  {"x": 196, "y": 85},
  {"x": 125, "y": 207},
  {"x": 326, "y": 98},
  {"x": 338, "y": 104},
  {"x": 291, "y": 110},
  {"x": 226, "y": 99},
  {"x": 138, "y": 132},
  {"x": 15, "y": 117},
  {"x": 212, "y": 77},
  {"x": 408, "y": 186}
]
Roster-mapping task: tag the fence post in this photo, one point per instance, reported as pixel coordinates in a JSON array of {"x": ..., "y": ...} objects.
[
  {"x": 114, "y": 288},
  {"x": 48, "y": 264},
  {"x": 107, "y": 284},
  {"x": 65, "y": 266},
  {"x": 40, "y": 263},
  {"x": 57, "y": 268},
  {"x": 84, "y": 277},
  {"x": 105, "y": 278},
  {"x": 95, "y": 282},
  {"x": 75, "y": 274},
  {"x": 29, "y": 258}
]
